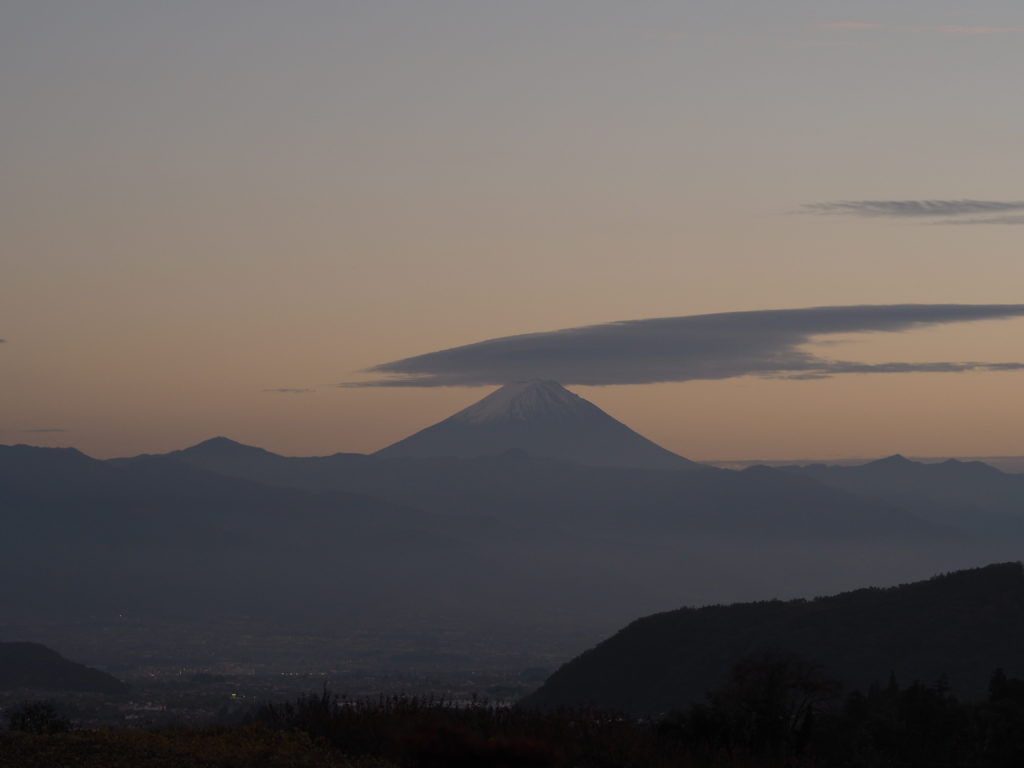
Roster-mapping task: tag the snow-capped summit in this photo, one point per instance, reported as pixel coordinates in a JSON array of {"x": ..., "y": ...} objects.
[
  {"x": 543, "y": 419},
  {"x": 527, "y": 400}
]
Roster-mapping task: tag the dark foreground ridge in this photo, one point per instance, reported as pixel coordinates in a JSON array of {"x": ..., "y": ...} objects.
[
  {"x": 958, "y": 627},
  {"x": 542, "y": 418},
  {"x": 34, "y": 666},
  {"x": 765, "y": 718}
]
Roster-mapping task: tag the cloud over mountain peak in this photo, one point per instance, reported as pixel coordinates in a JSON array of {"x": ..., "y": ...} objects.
[{"x": 765, "y": 343}]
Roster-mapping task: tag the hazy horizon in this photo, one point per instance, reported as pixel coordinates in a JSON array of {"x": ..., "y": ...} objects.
[
  {"x": 1012, "y": 462},
  {"x": 215, "y": 212}
]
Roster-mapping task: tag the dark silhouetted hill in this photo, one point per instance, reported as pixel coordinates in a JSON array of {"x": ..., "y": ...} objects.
[
  {"x": 959, "y": 626},
  {"x": 36, "y": 667}
]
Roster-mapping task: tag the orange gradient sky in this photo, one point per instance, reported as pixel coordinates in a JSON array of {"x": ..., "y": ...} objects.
[{"x": 202, "y": 201}]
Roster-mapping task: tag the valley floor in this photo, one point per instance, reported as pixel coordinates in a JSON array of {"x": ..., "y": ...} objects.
[{"x": 752, "y": 723}]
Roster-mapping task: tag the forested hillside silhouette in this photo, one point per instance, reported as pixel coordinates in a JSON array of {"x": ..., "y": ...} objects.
[{"x": 957, "y": 627}]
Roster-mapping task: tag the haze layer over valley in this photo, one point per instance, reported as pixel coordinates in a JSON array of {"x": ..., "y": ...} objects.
[{"x": 515, "y": 533}]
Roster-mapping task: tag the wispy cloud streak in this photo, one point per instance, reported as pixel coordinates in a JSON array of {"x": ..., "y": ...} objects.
[
  {"x": 913, "y": 208},
  {"x": 766, "y": 343},
  {"x": 290, "y": 390},
  {"x": 1006, "y": 220}
]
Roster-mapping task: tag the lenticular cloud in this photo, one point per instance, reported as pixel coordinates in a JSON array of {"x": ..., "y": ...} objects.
[{"x": 766, "y": 343}]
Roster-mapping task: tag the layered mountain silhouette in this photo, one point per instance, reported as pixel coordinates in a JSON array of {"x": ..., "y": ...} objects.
[
  {"x": 969, "y": 494},
  {"x": 958, "y": 627},
  {"x": 84, "y": 537},
  {"x": 469, "y": 544},
  {"x": 36, "y": 667},
  {"x": 472, "y": 543},
  {"x": 521, "y": 490},
  {"x": 544, "y": 419}
]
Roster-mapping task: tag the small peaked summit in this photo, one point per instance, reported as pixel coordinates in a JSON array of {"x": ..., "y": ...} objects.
[
  {"x": 543, "y": 419},
  {"x": 221, "y": 446},
  {"x": 896, "y": 460}
]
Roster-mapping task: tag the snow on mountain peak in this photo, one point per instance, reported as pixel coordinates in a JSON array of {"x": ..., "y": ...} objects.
[{"x": 525, "y": 401}]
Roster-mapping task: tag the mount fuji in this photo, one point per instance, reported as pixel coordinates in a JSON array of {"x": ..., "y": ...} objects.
[{"x": 544, "y": 419}]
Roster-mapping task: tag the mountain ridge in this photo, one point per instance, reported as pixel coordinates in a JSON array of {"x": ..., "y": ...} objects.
[{"x": 971, "y": 494}]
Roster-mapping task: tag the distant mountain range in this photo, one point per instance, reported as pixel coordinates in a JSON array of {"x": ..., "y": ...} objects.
[
  {"x": 1010, "y": 464},
  {"x": 516, "y": 487},
  {"x": 959, "y": 627},
  {"x": 32, "y": 666},
  {"x": 223, "y": 526},
  {"x": 485, "y": 544},
  {"x": 971, "y": 495},
  {"x": 87, "y": 536}
]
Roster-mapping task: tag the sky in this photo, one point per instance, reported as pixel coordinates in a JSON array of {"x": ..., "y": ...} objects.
[{"x": 214, "y": 212}]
